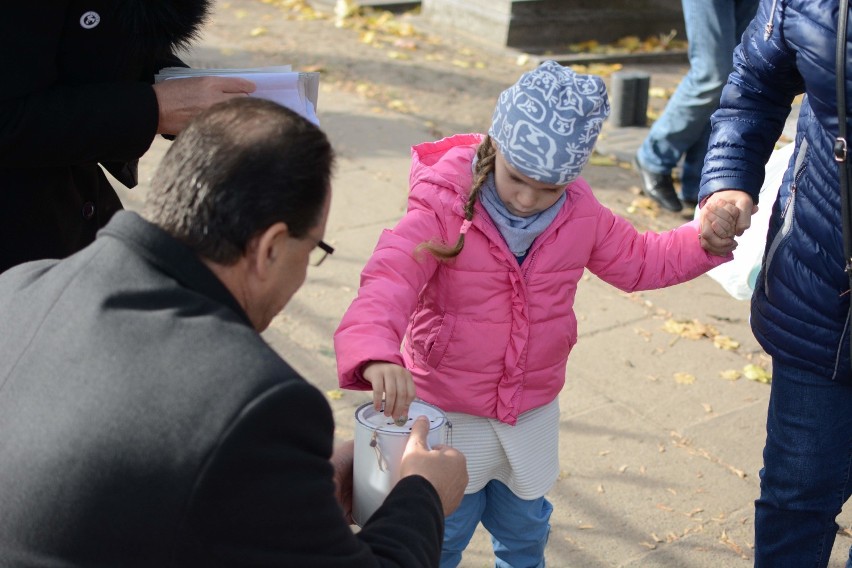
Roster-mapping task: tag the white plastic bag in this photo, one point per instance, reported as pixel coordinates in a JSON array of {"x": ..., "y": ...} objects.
[{"x": 738, "y": 276}]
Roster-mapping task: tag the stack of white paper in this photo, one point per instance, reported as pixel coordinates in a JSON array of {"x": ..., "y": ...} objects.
[{"x": 296, "y": 90}]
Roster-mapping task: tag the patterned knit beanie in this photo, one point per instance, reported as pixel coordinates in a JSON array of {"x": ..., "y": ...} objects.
[{"x": 546, "y": 124}]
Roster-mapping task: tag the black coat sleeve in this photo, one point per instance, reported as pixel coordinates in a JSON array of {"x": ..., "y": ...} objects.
[{"x": 266, "y": 497}]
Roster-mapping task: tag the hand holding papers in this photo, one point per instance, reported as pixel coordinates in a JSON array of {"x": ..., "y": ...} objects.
[{"x": 297, "y": 91}]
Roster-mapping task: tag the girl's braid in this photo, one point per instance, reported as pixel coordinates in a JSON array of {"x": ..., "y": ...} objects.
[{"x": 485, "y": 156}]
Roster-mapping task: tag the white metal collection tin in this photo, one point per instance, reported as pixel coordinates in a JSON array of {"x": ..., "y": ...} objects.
[{"x": 379, "y": 445}]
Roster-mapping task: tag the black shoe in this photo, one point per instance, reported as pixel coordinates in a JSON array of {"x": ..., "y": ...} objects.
[{"x": 659, "y": 187}]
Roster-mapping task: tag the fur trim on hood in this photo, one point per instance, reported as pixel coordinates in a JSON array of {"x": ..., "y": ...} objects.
[{"x": 164, "y": 25}]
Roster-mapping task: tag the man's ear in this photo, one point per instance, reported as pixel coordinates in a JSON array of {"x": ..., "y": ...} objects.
[{"x": 267, "y": 247}]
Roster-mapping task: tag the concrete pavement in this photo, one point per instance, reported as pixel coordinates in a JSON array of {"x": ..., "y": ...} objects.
[{"x": 657, "y": 469}]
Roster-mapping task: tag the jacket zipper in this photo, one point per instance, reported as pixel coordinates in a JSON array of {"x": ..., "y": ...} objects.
[
  {"x": 767, "y": 29},
  {"x": 529, "y": 263},
  {"x": 789, "y": 210}
]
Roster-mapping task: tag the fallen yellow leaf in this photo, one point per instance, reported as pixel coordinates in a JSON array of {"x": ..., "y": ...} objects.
[
  {"x": 690, "y": 329},
  {"x": 730, "y": 375},
  {"x": 630, "y": 43},
  {"x": 684, "y": 378},
  {"x": 600, "y": 160},
  {"x": 726, "y": 343},
  {"x": 585, "y": 46},
  {"x": 756, "y": 373},
  {"x": 644, "y": 205}
]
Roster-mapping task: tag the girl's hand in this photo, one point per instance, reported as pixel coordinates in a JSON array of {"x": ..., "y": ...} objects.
[{"x": 395, "y": 383}]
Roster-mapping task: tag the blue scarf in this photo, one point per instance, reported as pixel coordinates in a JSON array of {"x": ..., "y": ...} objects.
[{"x": 518, "y": 232}]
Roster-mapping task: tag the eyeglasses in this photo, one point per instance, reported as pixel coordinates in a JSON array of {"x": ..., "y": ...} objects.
[{"x": 320, "y": 253}]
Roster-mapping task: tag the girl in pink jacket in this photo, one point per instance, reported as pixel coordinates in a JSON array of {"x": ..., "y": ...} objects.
[{"x": 487, "y": 322}]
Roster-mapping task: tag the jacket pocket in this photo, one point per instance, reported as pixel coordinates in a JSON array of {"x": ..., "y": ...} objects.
[
  {"x": 787, "y": 215},
  {"x": 437, "y": 343}
]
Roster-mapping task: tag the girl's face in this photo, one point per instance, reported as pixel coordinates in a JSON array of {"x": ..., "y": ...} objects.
[{"x": 523, "y": 196}]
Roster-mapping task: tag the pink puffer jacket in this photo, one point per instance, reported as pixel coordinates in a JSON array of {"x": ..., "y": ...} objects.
[{"x": 483, "y": 334}]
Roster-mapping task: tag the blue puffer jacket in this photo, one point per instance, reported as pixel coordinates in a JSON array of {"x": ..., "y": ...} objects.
[{"x": 800, "y": 305}]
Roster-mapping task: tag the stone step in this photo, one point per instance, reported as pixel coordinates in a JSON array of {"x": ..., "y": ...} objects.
[{"x": 551, "y": 25}]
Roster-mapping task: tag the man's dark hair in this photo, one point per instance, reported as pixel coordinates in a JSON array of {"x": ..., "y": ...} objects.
[{"x": 238, "y": 168}]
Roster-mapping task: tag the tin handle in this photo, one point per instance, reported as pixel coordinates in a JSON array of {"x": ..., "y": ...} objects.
[{"x": 380, "y": 458}]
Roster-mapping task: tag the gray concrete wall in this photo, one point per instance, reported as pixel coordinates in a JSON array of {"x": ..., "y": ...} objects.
[{"x": 550, "y": 25}]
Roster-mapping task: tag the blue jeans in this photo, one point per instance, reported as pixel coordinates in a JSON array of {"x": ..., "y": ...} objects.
[
  {"x": 805, "y": 478},
  {"x": 518, "y": 528},
  {"x": 713, "y": 29}
]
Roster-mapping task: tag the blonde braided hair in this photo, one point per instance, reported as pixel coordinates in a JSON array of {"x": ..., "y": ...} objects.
[{"x": 485, "y": 156}]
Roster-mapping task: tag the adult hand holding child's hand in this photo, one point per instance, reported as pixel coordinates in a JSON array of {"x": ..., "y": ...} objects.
[{"x": 724, "y": 215}]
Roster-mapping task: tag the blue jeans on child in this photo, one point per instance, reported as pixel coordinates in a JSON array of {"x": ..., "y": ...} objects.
[
  {"x": 713, "y": 28},
  {"x": 805, "y": 478},
  {"x": 518, "y": 528}
]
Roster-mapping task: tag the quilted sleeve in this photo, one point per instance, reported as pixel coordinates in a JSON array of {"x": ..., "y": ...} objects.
[
  {"x": 373, "y": 327},
  {"x": 632, "y": 261},
  {"x": 753, "y": 108}
]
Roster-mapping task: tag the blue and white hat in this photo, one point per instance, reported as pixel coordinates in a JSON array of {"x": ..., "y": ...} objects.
[{"x": 546, "y": 124}]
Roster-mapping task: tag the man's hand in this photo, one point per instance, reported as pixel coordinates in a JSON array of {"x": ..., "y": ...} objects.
[
  {"x": 444, "y": 467},
  {"x": 181, "y": 99},
  {"x": 393, "y": 384}
]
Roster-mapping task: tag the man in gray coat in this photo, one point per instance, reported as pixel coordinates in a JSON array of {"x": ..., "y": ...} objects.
[{"x": 145, "y": 422}]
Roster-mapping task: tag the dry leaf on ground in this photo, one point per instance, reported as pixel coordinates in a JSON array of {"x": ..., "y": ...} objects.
[
  {"x": 757, "y": 373},
  {"x": 731, "y": 375},
  {"x": 684, "y": 378},
  {"x": 725, "y": 343},
  {"x": 693, "y": 329}
]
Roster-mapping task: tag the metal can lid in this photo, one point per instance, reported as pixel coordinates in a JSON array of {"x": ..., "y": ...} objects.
[{"x": 369, "y": 417}]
